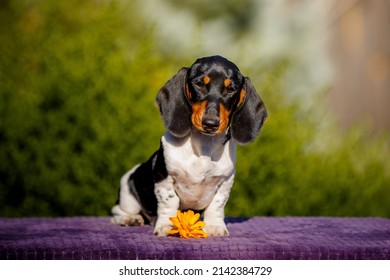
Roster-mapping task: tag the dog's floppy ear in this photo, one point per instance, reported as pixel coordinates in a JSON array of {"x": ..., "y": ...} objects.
[
  {"x": 250, "y": 115},
  {"x": 174, "y": 107}
]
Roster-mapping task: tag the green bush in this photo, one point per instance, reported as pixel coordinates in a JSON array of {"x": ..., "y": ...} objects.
[
  {"x": 77, "y": 88},
  {"x": 77, "y": 94},
  {"x": 297, "y": 167}
]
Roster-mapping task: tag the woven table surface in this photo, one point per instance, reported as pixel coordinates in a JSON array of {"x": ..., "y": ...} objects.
[{"x": 250, "y": 238}]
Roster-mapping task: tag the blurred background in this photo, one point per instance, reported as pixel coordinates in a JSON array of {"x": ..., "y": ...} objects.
[{"x": 78, "y": 81}]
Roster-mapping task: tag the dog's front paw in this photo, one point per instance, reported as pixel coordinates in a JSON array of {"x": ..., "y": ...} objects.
[
  {"x": 162, "y": 230},
  {"x": 216, "y": 230},
  {"x": 132, "y": 220}
]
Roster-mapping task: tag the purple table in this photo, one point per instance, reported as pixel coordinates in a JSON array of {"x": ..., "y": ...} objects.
[{"x": 252, "y": 238}]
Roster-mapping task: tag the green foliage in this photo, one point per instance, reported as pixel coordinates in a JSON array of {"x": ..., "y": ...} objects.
[
  {"x": 77, "y": 92},
  {"x": 76, "y": 111},
  {"x": 285, "y": 172}
]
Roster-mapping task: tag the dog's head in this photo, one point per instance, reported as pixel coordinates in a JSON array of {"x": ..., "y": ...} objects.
[{"x": 213, "y": 96}]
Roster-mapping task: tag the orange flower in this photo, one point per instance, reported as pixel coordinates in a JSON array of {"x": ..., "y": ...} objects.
[{"x": 186, "y": 225}]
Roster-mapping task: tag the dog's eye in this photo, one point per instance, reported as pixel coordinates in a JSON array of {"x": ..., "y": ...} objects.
[
  {"x": 200, "y": 83},
  {"x": 230, "y": 89}
]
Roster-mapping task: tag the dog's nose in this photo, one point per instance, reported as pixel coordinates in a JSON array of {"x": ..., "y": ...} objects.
[{"x": 210, "y": 123}]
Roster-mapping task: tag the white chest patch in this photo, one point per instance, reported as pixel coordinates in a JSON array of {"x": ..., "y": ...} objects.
[{"x": 198, "y": 165}]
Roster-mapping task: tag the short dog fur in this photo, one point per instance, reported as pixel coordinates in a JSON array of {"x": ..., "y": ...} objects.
[{"x": 206, "y": 109}]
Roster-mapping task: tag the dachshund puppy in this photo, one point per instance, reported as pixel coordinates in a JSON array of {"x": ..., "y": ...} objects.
[{"x": 206, "y": 109}]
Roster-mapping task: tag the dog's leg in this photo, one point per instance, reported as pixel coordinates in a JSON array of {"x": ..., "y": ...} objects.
[
  {"x": 214, "y": 214},
  {"x": 127, "y": 211},
  {"x": 168, "y": 203}
]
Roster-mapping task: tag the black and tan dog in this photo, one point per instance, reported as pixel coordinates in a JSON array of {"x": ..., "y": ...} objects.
[{"x": 206, "y": 109}]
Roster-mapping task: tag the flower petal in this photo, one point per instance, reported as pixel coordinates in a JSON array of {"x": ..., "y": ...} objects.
[
  {"x": 188, "y": 215},
  {"x": 194, "y": 218},
  {"x": 175, "y": 221},
  {"x": 183, "y": 233},
  {"x": 174, "y": 232},
  {"x": 198, "y": 225},
  {"x": 198, "y": 234}
]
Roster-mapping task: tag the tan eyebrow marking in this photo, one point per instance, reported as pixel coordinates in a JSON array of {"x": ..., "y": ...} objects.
[
  {"x": 227, "y": 82},
  {"x": 206, "y": 79}
]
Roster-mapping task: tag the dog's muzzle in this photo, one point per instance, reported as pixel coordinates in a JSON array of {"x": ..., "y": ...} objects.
[{"x": 210, "y": 120}]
